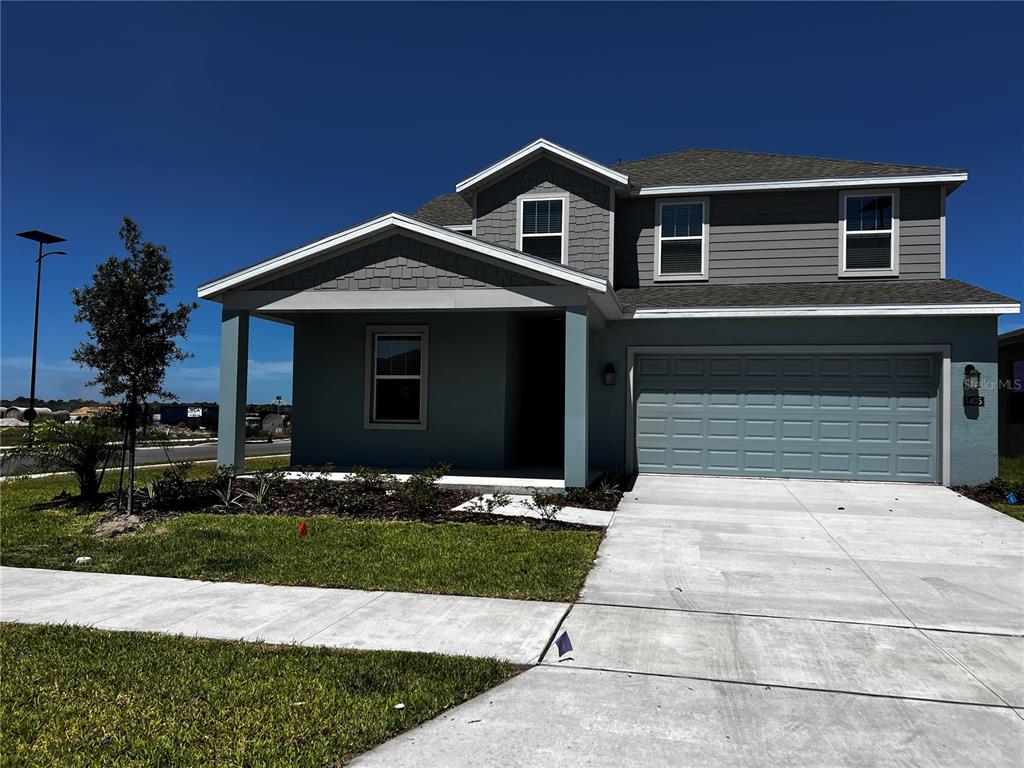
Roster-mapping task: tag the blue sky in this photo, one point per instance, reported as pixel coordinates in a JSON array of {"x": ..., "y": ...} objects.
[{"x": 231, "y": 132}]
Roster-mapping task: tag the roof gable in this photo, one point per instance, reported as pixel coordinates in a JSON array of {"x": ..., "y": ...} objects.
[
  {"x": 542, "y": 148},
  {"x": 392, "y": 223},
  {"x": 398, "y": 262}
]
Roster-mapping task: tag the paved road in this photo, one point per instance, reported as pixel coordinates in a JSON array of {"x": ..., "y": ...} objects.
[
  {"x": 159, "y": 455},
  {"x": 744, "y": 622}
]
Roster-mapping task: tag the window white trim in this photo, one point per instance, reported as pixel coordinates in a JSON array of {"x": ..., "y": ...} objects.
[
  {"x": 759, "y": 186},
  {"x": 705, "y": 203},
  {"x": 894, "y": 234},
  {"x": 371, "y": 377},
  {"x": 611, "y": 237},
  {"x": 942, "y": 231},
  {"x": 534, "y": 197}
]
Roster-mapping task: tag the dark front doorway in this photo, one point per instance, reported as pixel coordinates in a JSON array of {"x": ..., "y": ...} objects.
[{"x": 536, "y": 425}]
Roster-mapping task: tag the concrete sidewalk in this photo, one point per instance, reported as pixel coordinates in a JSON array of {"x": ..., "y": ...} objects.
[{"x": 516, "y": 630}]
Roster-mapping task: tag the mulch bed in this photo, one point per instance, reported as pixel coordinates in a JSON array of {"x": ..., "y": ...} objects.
[
  {"x": 348, "y": 500},
  {"x": 992, "y": 492}
]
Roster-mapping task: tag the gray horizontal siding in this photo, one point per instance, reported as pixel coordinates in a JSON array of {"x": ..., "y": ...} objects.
[
  {"x": 398, "y": 263},
  {"x": 778, "y": 237},
  {"x": 589, "y": 216}
]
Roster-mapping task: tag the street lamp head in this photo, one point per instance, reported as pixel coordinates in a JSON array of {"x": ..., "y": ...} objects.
[
  {"x": 55, "y": 253},
  {"x": 43, "y": 238}
]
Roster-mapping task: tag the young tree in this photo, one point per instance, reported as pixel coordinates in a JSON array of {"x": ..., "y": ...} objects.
[{"x": 133, "y": 335}]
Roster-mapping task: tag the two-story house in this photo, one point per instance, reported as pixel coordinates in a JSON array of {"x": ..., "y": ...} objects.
[{"x": 706, "y": 312}]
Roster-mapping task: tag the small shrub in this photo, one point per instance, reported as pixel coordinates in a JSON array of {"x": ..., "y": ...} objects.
[
  {"x": 489, "y": 502},
  {"x": 373, "y": 480},
  {"x": 84, "y": 449},
  {"x": 346, "y": 504},
  {"x": 578, "y": 497},
  {"x": 420, "y": 491},
  {"x": 223, "y": 485},
  {"x": 547, "y": 505},
  {"x": 321, "y": 491},
  {"x": 173, "y": 484}
]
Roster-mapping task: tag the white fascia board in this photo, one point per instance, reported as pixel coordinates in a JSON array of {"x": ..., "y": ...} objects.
[
  {"x": 538, "y": 146},
  {"x": 400, "y": 222},
  {"x": 887, "y": 310},
  {"x": 756, "y": 186}
]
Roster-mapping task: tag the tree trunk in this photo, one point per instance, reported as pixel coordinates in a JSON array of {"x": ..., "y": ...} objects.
[
  {"x": 120, "y": 477},
  {"x": 131, "y": 469}
]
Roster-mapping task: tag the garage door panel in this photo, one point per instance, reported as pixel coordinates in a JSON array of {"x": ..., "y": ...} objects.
[{"x": 841, "y": 416}]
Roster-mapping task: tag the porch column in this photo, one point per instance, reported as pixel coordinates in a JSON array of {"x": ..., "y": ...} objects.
[
  {"x": 577, "y": 369},
  {"x": 234, "y": 364}
]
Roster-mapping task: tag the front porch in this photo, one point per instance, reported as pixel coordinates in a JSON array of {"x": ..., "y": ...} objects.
[
  {"x": 417, "y": 346},
  {"x": 504, "y": 398}
]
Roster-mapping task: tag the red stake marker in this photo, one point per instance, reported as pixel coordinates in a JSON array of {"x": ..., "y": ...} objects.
[{"x": 302, "y": 528}]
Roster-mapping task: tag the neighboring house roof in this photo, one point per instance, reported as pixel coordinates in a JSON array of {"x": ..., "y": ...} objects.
[
  {"x": 722, "y": 166},
  {"x": 541, "y": 147},
  {"x": 897, "y": 297},
  {"x": 445, "y": 211},
  {"x": 1011, "y": 337},
  {"x": 382, "y": 226}
]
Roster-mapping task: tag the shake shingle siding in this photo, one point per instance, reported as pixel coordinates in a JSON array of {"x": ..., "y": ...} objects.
[
  {"x": 771, "y": 237},
  {"x": 588, "y": 215},
  {"x": 399, "y": 263}
]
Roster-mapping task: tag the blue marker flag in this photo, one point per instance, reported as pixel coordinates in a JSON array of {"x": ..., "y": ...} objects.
[{"x": 563, "y": 643}]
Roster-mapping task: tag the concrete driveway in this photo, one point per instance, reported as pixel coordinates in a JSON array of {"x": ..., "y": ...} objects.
[{"x": 771, "y": 622}]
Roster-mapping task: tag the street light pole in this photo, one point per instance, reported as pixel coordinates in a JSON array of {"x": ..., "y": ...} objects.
[{"x": 43, "y": 239}]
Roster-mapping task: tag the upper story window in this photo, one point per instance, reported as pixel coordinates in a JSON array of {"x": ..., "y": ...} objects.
[
  {"x": 681, "y": 239},
  {"x": 868, "y": 234},
  {"x": 396, "y": 377},
  {"x": 542, "y": 228}
]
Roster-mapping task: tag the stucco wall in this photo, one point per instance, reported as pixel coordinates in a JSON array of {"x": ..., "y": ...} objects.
[
  {"x": 465, "y": 397},
  {"x": 973, "y": 434}
]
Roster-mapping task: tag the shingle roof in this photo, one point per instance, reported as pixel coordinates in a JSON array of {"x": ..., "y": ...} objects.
[
  {"x": 1012, "y": 337},
  {"x": 445, "y": 211},
  {"x": 705, "y": 166},
  {"x": 721, "y": 166},
  {"x": 807, "y": 294}
]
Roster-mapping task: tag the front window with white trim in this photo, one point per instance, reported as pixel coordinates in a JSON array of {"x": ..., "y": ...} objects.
[
  {"x": 396, "y": 367},
  {"x": 868, "y": 240},
  {"x": 681, "y": 239},
  {"x": 542, "y": 228}
]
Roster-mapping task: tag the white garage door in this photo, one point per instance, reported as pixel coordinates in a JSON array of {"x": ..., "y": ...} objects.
[{"x": 854, "y": 417}]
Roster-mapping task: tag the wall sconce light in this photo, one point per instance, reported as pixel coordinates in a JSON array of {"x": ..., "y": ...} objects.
[
  {"x": 972, "y": 377},
  {"x": 609, "y": 375}
]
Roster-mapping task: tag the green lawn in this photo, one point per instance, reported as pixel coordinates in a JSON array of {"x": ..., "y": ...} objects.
[
  {"x": 82, "y": 697},
  {"x": 1012, "y": 470},
  {"x": 464, "y": 559}
]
